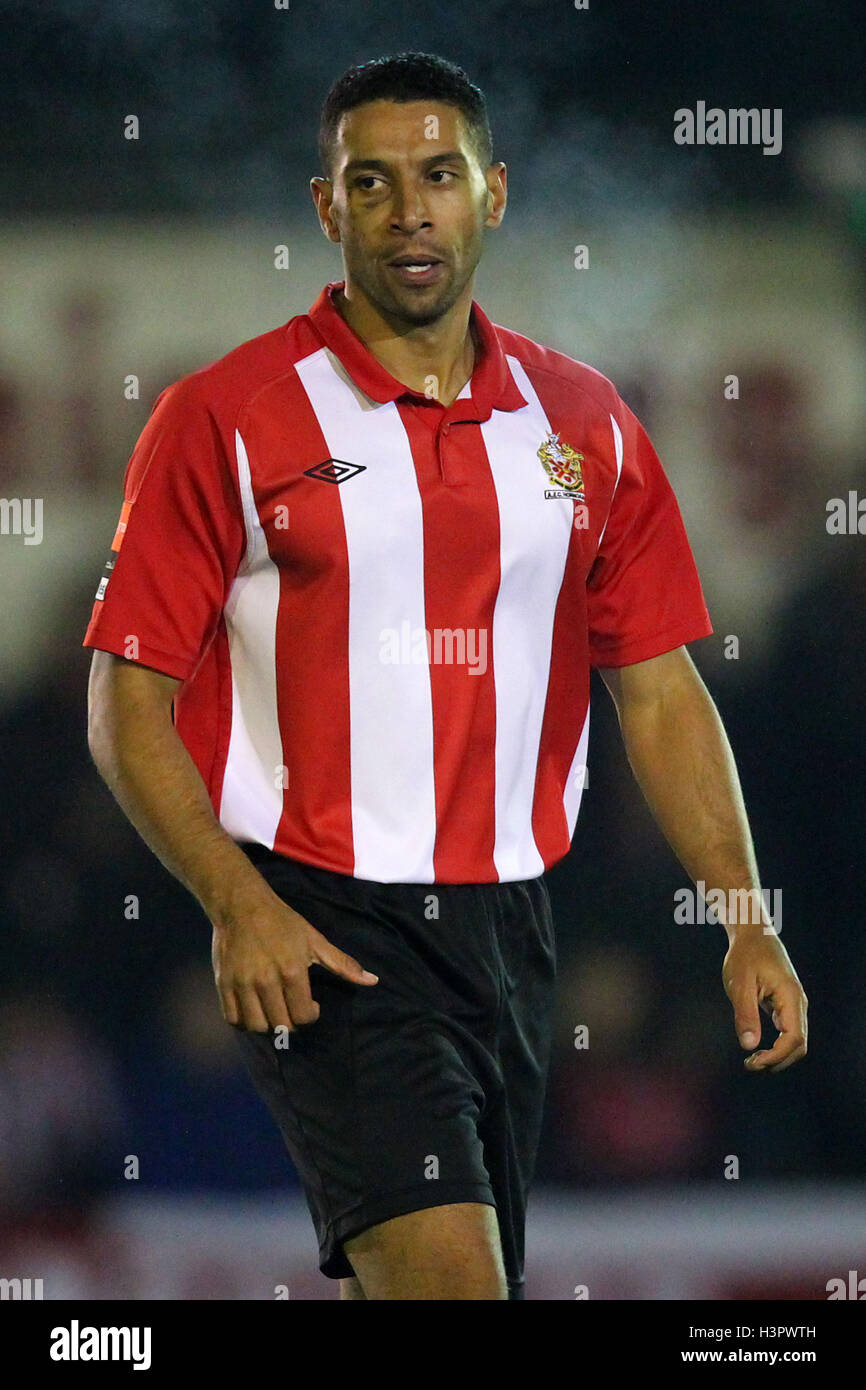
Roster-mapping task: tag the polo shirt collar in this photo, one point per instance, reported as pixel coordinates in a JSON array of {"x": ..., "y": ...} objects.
[{"x": 492, "y": 386}]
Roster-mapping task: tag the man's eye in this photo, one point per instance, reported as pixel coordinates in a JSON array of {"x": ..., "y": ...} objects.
[
  {"x": 366, "y": 180},
  {"x": 449, "y": 172}
]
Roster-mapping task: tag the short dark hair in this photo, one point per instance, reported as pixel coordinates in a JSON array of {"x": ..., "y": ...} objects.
[{"x": 406, "y": 77}]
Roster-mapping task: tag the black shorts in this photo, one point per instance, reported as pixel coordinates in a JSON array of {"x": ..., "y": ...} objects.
[{"x": 428, "y": 1087}]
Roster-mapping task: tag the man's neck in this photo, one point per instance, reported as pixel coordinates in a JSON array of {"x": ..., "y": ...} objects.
[{"x": 435, "y": 359}]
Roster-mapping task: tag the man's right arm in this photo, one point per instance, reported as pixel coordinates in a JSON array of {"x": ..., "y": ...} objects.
[{"x": 262, "y": 948}]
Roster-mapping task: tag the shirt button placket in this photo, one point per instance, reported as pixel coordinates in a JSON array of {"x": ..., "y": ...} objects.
[{"x": 441, "y": 437}]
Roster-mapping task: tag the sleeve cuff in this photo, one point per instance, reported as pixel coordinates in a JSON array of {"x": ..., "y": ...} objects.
[
  {"x": 167, "y": 663},
  {"x": 637, "y": 649}
]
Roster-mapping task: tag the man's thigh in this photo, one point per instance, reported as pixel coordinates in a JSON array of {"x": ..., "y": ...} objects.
[
  {"x": 444, "y": 1252},
  {"x": 351, "y": 1291},
  {"x": 394, "y": 1104},
  {"x": 380, "y": 1100}
]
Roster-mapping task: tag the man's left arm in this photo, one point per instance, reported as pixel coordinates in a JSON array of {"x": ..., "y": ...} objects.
[{"x": 680, "y": 755}]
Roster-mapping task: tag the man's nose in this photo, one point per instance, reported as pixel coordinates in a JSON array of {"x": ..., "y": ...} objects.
[{"x": 409, "y": 209}]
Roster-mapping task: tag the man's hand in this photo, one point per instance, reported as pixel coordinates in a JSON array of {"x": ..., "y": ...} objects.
[
  {"x": 757, "y": 973},
  {"x": 683, "y": 763},
  {"x": 262, "y": 949},
  {"x": 261, "y": 957}
]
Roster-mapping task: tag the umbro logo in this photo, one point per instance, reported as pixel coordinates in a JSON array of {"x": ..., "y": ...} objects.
[{"x": 334, "y": 470}]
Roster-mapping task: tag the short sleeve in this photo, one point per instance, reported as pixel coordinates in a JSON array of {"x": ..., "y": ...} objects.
[
  {"x": 178, "y": 542},
  {"x": 644, "y": 596}
]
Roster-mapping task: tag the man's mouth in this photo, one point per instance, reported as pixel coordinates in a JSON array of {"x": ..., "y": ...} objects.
[{"x": 416, "y": 270}]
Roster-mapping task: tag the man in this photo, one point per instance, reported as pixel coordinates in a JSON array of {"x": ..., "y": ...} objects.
[{"x": 371, "y": 556}]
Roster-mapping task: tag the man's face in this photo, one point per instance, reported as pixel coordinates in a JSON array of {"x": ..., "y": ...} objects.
[{"x": 408, "y": 190}]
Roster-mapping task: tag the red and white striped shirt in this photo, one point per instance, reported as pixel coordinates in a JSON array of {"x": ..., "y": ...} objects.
[{"x": 384, "y": 610}]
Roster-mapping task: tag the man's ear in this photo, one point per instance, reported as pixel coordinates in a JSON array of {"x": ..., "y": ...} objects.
[
  {"x": 322, "y": 191},
  {"x": 497, "y": 195}
]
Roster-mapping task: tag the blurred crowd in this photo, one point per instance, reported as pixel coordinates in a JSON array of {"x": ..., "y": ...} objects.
[{"x": 661, "y": 1093}]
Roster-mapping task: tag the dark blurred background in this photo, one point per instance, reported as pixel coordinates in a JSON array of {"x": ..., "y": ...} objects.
[{"x": 135, "y": 1159}]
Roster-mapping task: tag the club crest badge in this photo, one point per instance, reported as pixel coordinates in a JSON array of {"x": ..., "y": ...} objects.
[{"x": 562, "y": 466}]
